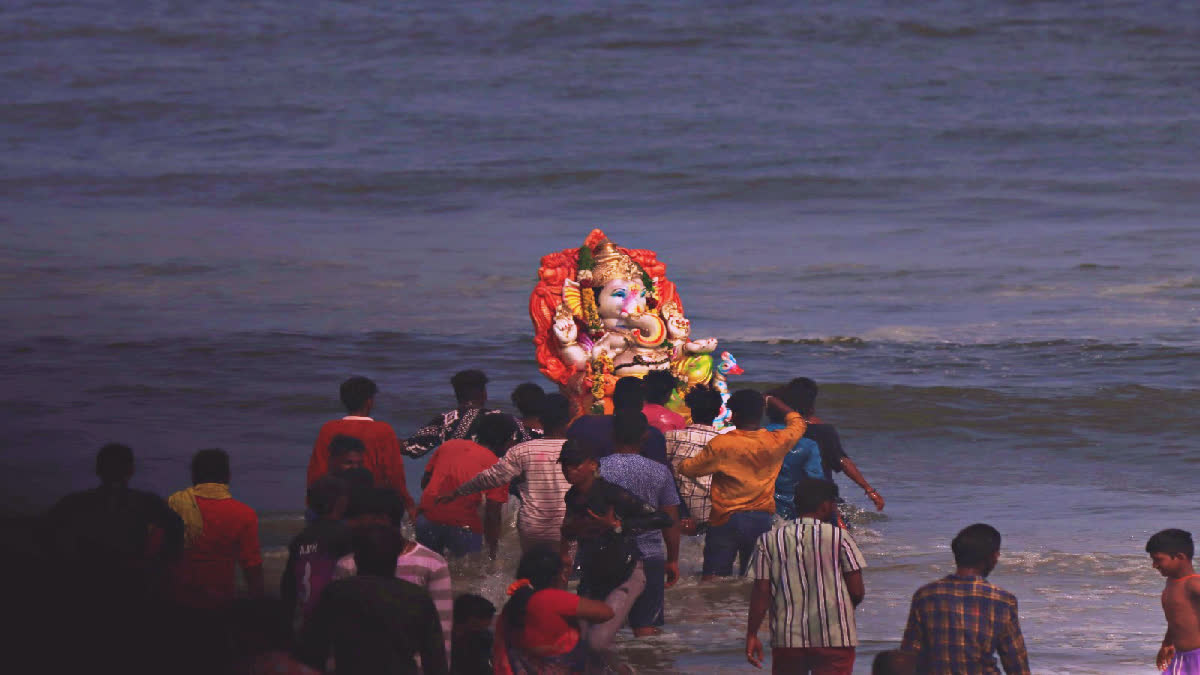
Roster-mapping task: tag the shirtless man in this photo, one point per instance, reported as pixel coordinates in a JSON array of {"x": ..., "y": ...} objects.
[{"x": 1171, "y": 551}]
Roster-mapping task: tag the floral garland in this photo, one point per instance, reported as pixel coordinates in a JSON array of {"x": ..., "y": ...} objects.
[{"x": 591, "y": 314}]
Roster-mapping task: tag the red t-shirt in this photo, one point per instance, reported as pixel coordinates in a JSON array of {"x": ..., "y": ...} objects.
[
  {"x": 205, "y": 575},
  {"x": 382, "y": 458},
  {"x": 546, "y": 623},
  {"x": 452, "y": 464},
  {"x": 662, "y": 418}
]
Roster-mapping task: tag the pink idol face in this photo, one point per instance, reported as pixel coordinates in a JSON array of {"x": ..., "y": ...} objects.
[{"x": 621, "y": 296}]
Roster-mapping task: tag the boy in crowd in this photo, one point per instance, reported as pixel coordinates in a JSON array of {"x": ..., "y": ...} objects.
[
  {"x": 381, "y": 454},
  {"x": 1171, "y": 552},
  {"x": 345, "y": 453},
  {"x": 527, "y": 398},
  {"x": 744, "y": 464},
  {"x": 220, "y": 533},
  {"x": 956, "y": 623},
  {"x": 808, "y": 573},
  {"x": 373, "y": 622},
  {"x": 414, "y": 564},
  {"x": 471, "y": 653},
  {"x": 659, "y": 384},
  {"x": 652, "y": 483},
  {"x": 802, "y": 395},
  {"x": 454, "y": 527},
  {"x": 542, "y": 485},
  {"x": 313, "y": 554},
  {"x": 696, "y": 493}
]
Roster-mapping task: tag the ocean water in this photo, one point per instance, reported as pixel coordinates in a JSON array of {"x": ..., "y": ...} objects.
[{"x": 972, "y": 221}]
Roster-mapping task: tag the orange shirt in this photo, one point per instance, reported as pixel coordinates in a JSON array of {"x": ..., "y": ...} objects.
[
  {"x": 382, "y": 458},
  {"x": 453, "y": 463},
  {"x": 205, "y": 575},
  {"x": 744, "y": 465}
]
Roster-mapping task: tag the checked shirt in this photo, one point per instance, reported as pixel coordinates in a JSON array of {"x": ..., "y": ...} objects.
[
  {"x": 695, "y": 492},
  {"x": 955, "y": 624}
]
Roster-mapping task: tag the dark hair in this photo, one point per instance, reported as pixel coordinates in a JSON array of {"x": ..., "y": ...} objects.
[
  {"x": 628, "y": 427},
  {"x": 574, "y": 453},
  {"x": 357, "y": 478},
  {"x": 356, "y": 391},
  {"x": 376, "y": 549},
  {"x": 975, "y": 545},
  {"x": 801, "y": 395},
  {"x": 1172, "y": 541},
  {"x": 775, "y": 415},
  {"x": 324, "y": 493},
  {"x": 528, "y": 397},
  {"x": 210, "y": 466},
  {"x": 540, "y": 566},
  {"x": 747, "y": 404},
  {"x": 704, "y": 402},
  {"x": 370, "y": 501},
  {"x": 472, "y": 606},
  {"x": 659, "y": 385},
  {"x": 493, "y": 430},
  {"x": 556, "y": 412},
  {"x": 811, "y": 493},
  {"x": 469, "y": 385},
  {"x": 114, "y": 463},
  {"x": 342, "y": 445},
  {"x": 894, "y": 662},
  {"x": 629, "y": 393}
]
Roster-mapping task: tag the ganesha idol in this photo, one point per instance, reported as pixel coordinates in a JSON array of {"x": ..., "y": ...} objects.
[{"x": 601, "y": 313}]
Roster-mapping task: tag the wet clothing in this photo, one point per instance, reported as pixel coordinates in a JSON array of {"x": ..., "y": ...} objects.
[
  {"x": 453, "y": 464},
  {"x": 540, "y": 516},
  {"x": 1184, "y": 663},
  {"x": 802, "y": 461}
]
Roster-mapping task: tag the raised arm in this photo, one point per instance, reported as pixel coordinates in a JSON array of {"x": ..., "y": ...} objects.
[
  {"x": 426, "y": 439},
  {"x": 507, "y": 468}
]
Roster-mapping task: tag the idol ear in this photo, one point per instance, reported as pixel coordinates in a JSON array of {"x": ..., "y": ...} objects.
[{"x": 571, "y": 297}]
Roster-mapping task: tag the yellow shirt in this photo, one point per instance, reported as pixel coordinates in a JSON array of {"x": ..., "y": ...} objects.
[{"x": 744, "y": 466}]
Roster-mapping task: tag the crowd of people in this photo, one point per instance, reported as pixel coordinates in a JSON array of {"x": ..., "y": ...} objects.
[{"x": 604, "y": 501}]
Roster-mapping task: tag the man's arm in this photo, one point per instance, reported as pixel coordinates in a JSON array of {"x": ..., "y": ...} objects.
[
  {"x": 852, "y": 472},
  {"x": 1166, "y": 652},
  {"x": 855, "y": 586},
  {"x": 914, "y": 631},
  {"x": 760, "y": 600},
  {"x": 504, "y": 470},
  {"x": 426, "y": 439},
  {"x": 251, "y": 558},
  {"x": 491, "y": 526},
  {"x": 671, "y": 538},
  {"x": 703, "y": 463},
  {"x": 1011, "y": 646}
]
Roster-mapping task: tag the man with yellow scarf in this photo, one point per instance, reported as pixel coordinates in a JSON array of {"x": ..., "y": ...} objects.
[{"x": 219, "y": 533}]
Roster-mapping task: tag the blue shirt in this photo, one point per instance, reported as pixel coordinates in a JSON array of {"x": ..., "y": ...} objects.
[
  {"x": 802, "y": 461},
  {"x": 650, "y": 482}
]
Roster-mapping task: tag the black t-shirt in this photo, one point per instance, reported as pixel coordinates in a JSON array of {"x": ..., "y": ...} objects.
[
  {"x": 606, "y": 560},
  {"x": 375, "y": 626},
  {"x": 596, "y": 432},
  {"x": 108, "y": 529},
  {"x": 830, "y": 444}
]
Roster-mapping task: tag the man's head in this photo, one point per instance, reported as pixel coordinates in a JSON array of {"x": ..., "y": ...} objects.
[
  {"x": 473, "y": 614},
  {"x": 578, "y": 463},
  {"x": 358, "y": 394},
  {"x": 629, "y": 393},
  {"x": 894, "y": 662},
  {"x": 376, "y": 549},
  {"x": 370, "y": 506},
  {"x": 329, "y": 496},
  {"x": 210, "y": 466},
  {"x": 528, "y": 398},
  {"x": 977, "y": 547},
  {"x": 1171, "y": 552},
  {"x": 356, "y": 478},
  {"x": 114, "y": 464},
  {"x": 470, "y": 388},
  {"x": 659, "y": 385},
  {"x": 345, "y": 452},
  {"x": 496, "y": 432},
  {"x": 801, "y": 395},
  {"x": 704, "y": 402},
  {"x": 556, "y": 414},
  {"x": 746, "y": 407},
  {"x": 629, "y": 429},
  {"x": 816, "y": 498}
]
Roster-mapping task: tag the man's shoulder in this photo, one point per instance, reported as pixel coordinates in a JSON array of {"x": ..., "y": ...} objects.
[
  {"x": 425, "y": 556},
  {"x": 535, "y": 445}
]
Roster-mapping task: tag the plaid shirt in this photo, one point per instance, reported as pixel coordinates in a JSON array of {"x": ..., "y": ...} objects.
[
  {"x": 695, "y": 492},
  {"x": 542, "y": 492},
  {"x": 955, "y": 624}
]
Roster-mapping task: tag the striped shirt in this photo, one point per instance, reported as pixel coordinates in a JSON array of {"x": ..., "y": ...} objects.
[
  {"x": 805, "y": 562},
  {"x": 542, "y": 492},
  {"x": 424, "y": 568},
  {"x": 695, "y": 492},
  {"x": 957, "y": 623}
]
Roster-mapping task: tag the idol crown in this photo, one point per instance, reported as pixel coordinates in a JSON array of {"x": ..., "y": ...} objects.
[{"x": 612, "y": 264}]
